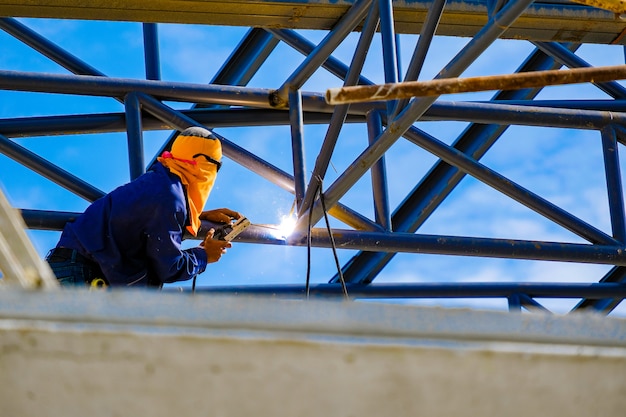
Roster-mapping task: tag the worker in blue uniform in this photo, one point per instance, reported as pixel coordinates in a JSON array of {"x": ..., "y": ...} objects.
[{"x": 132, "y": 236}]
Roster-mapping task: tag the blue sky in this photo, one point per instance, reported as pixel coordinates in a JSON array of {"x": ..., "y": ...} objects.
[{"x": 563, "y": 166}]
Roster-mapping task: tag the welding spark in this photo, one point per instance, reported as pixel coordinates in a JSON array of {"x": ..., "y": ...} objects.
[{"x": 285, "y": 228}]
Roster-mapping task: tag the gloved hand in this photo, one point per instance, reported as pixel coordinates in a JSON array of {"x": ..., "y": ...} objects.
[
  {"x": 214, "y": 248},
  {"x": 222, "y": 215}
]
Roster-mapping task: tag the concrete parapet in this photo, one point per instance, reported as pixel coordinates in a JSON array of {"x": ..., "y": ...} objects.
[{"x": 78, "y": 353}]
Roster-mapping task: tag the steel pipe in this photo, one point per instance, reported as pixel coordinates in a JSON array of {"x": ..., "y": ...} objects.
[
  {"x": 297, "y": 145},
  {"x": 614, "y": 183},
  {"x": 438, "y": 87},
  {"x": 382, "y": 213},
  {"x": 118, "y": 87},
  {"x": 586, "y": 114},
  {"x": 404, "y": 242},
  {"x": 134, "y": 132},
  {"x": 433, "y": 290},
  {"x": 151, "y": 51}
]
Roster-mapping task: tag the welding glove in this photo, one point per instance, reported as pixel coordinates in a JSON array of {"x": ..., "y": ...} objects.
[
  {"x": 222, "y": 215},
  {"x": 214, "y": 248}
]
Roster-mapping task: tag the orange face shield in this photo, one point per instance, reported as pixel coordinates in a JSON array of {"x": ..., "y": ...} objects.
[{"x": 195, "y": 157}]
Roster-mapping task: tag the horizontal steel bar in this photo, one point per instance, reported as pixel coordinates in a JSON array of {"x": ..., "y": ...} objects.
[
  {"x": 47, "y": 220},
  {"x": 404, "y": 242},
  {"x": 584, "y": 114},
  {"x": 434, "y": 290},
  {"x": 114, "y": 122},
  {"x": 467, "y": 246},
  {"x": 581, "y": 104},
  {"x": 312, "y": 102},
  {"x": 527, "y": 114},
  {"x": 437, "y": 87},
  {"x": 119, "y": 87}
]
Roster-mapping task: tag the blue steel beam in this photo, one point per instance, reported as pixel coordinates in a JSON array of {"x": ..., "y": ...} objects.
[
  {"x": 415, "y": 243},
  {"x": 433, "y": 290},
  {"x": 390, "y": 50},
  {"x": 523, "y": 113},
  {"x": 297, "y": 144},
  {"x": 382, "y": 213},
  {"x": 248, "y": 56},
  {"x": 118, "y": 87},
  {"x": 581, "y": 104},
  {"x": 616, "y": 275},
  {"x": 609, "y": 254},
  {"x": 134, "y": 133},
  {"x": 151, "y": 51},
  {"x": 614, "y": 183},
  {"x": 530, "y": 304},
  {"x": 511, "y": 112},
  {"x": 515, "y": 303},
  {"x": 114, "y": 122}
]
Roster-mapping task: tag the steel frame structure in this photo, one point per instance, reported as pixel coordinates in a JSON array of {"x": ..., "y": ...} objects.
[{"x": 227, "y": 102}]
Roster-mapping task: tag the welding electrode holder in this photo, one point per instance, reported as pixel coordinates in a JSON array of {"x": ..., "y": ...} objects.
[{"x": 229, "y": 231}]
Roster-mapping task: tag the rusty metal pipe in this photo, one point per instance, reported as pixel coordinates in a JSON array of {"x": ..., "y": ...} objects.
[
  {"x": 617, "y": 6},
  {"x": 437, "y": 87}
]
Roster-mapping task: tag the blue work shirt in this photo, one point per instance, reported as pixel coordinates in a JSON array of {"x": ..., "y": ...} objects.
[{"x": 135, "y": 232}]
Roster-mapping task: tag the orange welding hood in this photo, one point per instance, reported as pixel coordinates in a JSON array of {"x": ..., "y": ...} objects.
[{"x": 195, "y": 157}]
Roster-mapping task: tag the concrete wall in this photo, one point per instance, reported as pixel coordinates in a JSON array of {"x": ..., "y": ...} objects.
[{"x": 134, "y": 353}]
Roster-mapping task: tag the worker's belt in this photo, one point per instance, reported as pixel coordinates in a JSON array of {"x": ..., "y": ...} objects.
[{"x": 66, "y": 254}]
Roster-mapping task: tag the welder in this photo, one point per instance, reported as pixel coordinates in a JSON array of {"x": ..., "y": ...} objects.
[{"x": 133, "y": 235}]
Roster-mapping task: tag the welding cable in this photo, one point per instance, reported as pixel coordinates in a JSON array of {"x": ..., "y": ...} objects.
[
  {"x": 308, "y": 248},
  {"x": 332, "y": 241}
]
